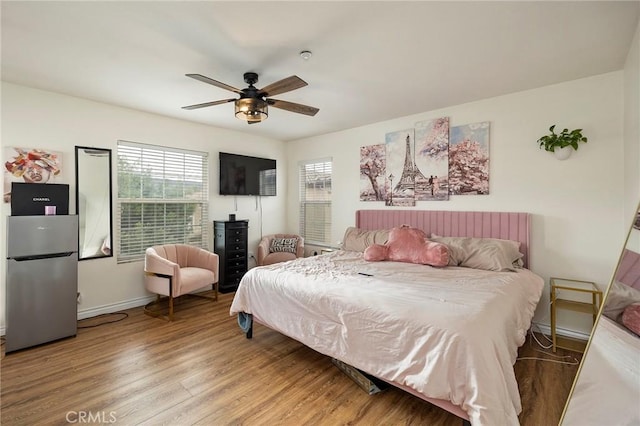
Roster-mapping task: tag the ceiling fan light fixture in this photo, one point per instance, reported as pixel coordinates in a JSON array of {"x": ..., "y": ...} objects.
[
  {"x": 251, "y": 110},
  {"x": 253, "y": 104}
]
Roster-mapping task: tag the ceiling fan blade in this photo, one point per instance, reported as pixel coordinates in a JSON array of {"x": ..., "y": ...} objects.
[
  {"x": 293, "y": 107},
  {"x": 214, "y": 82},
  {"x": 208, "y": 104},
  {"x": 285, "y": 85}
]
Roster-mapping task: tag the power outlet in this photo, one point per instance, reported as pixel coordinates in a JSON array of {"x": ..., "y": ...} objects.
[{"x": 251, "y": 255}]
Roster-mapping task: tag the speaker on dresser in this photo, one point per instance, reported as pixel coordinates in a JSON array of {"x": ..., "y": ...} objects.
[{"x": 230, "y": 244}]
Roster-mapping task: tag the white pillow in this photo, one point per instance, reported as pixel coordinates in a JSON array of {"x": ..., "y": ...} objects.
[
  {"x": 356, "y": 239},
  {"x": 491, "y": 254},
  {"x": 619, "y": 297}
]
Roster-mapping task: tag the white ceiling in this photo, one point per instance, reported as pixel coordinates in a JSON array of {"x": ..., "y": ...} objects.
[{"x": 372, "y": 61}]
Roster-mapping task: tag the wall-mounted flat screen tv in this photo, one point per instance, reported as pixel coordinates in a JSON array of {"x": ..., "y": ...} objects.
[{"x": 244, "y": 175}]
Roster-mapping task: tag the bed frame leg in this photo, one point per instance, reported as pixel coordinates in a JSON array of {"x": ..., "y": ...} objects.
[
  {"x": 250, "y": 335},
  {"x": 466, "y": 422}
]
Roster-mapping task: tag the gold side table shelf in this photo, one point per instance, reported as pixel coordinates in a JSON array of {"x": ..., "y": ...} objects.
[{"x": 558, "y": 301}]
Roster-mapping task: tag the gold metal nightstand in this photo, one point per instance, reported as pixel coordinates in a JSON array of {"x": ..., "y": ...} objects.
[{"x": 561, "y": 288}]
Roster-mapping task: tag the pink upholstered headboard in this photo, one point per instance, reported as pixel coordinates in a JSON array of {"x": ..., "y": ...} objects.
[
  {"x": 629, "y": 270},
  {"x": 506, "y": 226}
]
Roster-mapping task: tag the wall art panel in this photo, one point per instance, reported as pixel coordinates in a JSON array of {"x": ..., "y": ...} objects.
[
  {"x": 401, "y": 169},
  {"x": 432, "y": 160},
  {"x": 373, "y": 165},
  {"x": 30, "y": 165},
  {"x": 469, "y": 159}
]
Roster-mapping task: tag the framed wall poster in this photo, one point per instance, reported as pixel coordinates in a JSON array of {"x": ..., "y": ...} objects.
[
  {"x": 30, "y": 165},
  {"x": 373, "y": 165},
  {"x": 432, "y": 160},
  {"x": 469, "y": 159},
  {"x": 400, "y": 172}
]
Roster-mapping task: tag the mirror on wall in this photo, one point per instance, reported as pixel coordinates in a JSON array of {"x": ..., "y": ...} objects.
[
  {"x": 93, "y": 202},
  {"x": 607, "y": 386}
]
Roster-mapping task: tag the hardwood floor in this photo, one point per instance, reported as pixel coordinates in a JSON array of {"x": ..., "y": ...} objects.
[{"x": 200, "y": 370}]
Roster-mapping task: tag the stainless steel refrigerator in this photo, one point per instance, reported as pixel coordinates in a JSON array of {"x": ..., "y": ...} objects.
[{"x": 42, "y": 279}]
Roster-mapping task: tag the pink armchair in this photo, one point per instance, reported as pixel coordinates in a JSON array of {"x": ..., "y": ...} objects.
[
  {"x": 269, "y": 253},
  {"x": 174, "y": 270}
]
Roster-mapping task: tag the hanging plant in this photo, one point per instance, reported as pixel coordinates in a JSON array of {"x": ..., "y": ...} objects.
[{"x": 562, "y": 140}]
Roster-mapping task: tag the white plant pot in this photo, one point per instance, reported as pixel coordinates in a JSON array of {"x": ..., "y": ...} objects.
[{"x": 563, "y": 153}]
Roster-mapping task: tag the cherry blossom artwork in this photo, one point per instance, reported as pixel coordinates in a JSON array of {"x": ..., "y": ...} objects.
[
  {"x": 469, "y": 159},
  {"x": 30, "y": 165},
  {"x": 431, "y": 162},
  {"x": 372, "y": 169},
  {"x": 401, "y": 169}
]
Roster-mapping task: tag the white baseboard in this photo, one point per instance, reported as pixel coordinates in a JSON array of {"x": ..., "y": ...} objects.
[
  {"x": 120, "y": 306},
  {"x": 105, "y": 309},
  {"x": 141, "y": 301},
  {"x": 546, "y": 329},
  {"x": 114, "y": 307}
]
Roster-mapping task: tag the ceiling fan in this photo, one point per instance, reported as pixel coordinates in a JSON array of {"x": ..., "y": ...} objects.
[{"x": 252, "y": 106}]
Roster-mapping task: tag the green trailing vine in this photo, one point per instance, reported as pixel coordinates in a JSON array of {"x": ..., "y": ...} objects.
[{"x": 565, "y": 138}]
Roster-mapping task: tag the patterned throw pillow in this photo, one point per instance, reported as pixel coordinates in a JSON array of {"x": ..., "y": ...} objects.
[{"x": 278, "y": 245}]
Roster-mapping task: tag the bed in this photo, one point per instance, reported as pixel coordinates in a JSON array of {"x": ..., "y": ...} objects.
[
  {"x": 607, "y": 391},
  {"x": 607, "y": 388},
  {"x": 447, "y": 335}
]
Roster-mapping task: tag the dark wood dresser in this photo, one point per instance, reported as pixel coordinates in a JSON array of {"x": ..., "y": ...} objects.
[{"x": 230, "y": 244}]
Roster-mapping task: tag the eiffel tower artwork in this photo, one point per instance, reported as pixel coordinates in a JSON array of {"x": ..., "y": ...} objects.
[
  {"x": 400, "y": 188},
  {"x": 410, "y": 173},
  {"x": 417, "y": 162}
]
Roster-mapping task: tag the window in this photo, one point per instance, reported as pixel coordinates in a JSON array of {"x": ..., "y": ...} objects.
[
  {"x": 267, "y": 181},
  {"x": 163, "y": 198},
  {"x": 315, "y": 201}
]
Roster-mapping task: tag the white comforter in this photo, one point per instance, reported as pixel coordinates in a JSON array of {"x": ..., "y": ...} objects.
[{"x": 448, "y": 333}]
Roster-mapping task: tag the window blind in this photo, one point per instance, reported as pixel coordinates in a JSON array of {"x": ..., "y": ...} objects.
[
  {"x": 315, "y": 201},
  {"x": 163, "y": 198}
]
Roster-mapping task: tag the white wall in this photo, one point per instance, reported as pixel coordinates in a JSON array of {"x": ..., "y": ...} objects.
[
  {"x": 577, "y": 204},
  {"x": 35, "y": 118},
  {"x": 632, "y": 128},
  {"x": 632, "y": 137}
]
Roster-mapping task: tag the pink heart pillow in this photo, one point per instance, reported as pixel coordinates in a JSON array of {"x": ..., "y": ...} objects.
[
  {"x": 376, "y": 253},
  {"x": 409, "y": 245}
]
